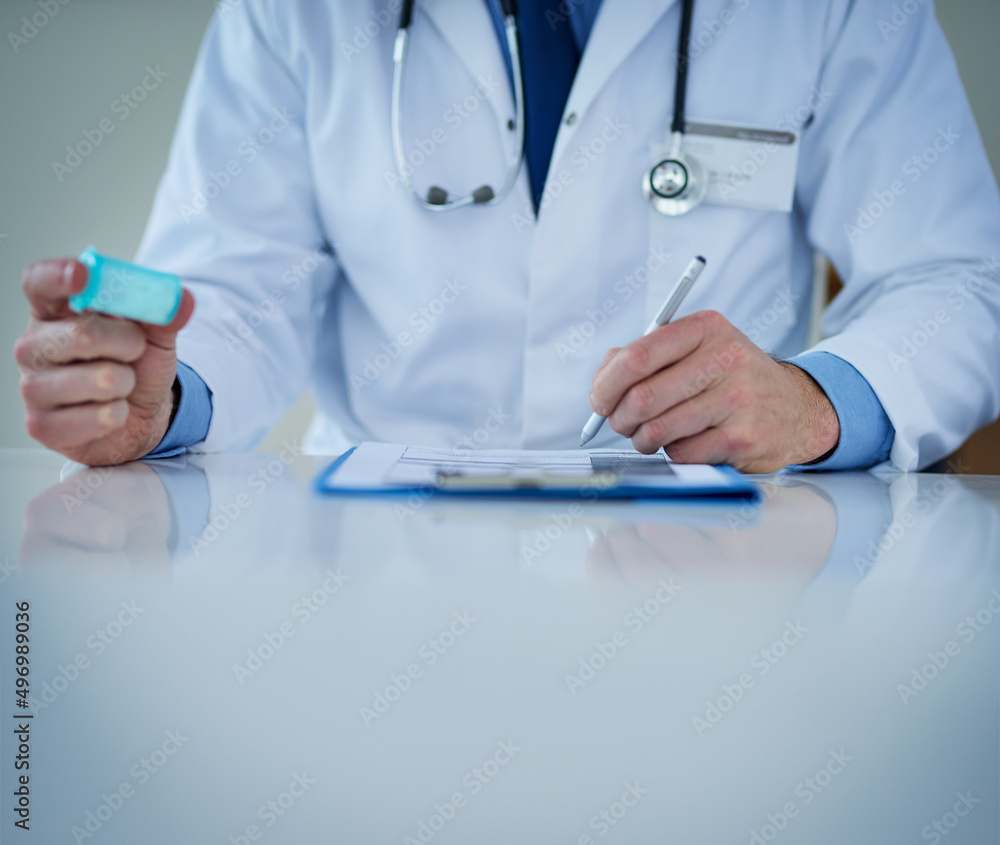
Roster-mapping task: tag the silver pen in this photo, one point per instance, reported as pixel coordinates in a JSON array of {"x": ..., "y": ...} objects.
[{"x": 663, "y": 316}]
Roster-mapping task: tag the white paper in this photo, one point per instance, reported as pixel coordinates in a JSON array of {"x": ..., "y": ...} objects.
[{"x": 375, "y": 466}]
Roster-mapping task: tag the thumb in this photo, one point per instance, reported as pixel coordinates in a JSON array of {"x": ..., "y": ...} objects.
[
  {"x": 166, "y": 336},
  {"x": 611, "y": 353},
  {"x": 156, "y": 370}
]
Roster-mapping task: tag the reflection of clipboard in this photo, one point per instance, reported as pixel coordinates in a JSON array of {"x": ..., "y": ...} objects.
[{"x": 387, "y": 469}]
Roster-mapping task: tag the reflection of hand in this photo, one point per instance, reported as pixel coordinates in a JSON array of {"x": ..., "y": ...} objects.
[
  {"x": 791, "y": 539},
  {"x": 703, "y": 390},
  {"x": 107, "y": 520}
]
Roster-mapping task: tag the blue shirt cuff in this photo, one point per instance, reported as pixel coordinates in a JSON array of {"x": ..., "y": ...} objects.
[
  {"x": 866, "y": 434},
  {"x": 193, "y": 417}
]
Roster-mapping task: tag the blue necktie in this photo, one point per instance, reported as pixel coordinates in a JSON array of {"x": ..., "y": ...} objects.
[{"x": 549, "y": 60}]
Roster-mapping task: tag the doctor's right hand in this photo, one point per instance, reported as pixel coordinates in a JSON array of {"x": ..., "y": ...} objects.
[{"x": 96, "y": 388}]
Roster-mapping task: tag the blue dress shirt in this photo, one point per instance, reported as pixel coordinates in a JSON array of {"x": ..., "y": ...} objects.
[
  {"x": 194, "y": 414},
  {"x": 866, "y": 434}
]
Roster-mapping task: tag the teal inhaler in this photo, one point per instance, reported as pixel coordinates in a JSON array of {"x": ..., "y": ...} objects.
[{"x": 126, "y": 290}]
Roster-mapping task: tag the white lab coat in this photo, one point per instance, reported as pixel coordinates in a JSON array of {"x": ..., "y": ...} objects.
[{"x": 485, "y": 324}]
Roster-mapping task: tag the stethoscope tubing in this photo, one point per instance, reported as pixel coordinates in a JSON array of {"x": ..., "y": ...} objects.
[
  {"x": 693, "y": 193},
  {"x": 399, "y": 54}
]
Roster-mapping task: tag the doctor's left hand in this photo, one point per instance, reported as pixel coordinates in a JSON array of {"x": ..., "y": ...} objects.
[{"x": 702, "y": 390}]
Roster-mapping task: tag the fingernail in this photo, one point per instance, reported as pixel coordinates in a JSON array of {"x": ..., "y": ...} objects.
[
  {"x": 68, "y": 276},
  {"x": 106, "y": 416},
  {"x": 598, "y": 408}
]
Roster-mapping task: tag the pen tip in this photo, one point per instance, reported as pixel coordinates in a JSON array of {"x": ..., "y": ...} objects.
[{"x": 701, "y": 258}]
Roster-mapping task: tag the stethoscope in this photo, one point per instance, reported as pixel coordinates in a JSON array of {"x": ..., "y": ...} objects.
[
  {"x": 674, "y": 185},
  {"x": 677, "y": 183},
  {"x": 437, "y": 198}
]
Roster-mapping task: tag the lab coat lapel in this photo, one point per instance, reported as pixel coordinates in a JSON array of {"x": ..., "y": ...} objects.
[
  {"x": 620, "y": 26},
  {"x": 467, "y": 27}
]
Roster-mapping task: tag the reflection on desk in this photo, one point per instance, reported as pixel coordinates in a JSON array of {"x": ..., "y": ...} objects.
[{"x": 821, "y": 668}]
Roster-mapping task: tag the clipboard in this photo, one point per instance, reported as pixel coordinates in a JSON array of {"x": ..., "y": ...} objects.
[{"x": 385, "y": 469}]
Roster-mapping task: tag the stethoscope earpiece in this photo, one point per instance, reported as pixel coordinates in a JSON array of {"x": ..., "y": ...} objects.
[{"x": 437, "y": 198}]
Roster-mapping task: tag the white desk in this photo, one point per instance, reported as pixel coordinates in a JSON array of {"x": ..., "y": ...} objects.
[{"x": 435, "y": 669}]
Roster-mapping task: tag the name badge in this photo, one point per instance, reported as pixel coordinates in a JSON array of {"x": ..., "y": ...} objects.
[{"x": 747, "y": 167}]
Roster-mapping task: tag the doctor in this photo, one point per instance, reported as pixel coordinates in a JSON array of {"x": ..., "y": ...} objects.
[{"x": 386, "y": 218}]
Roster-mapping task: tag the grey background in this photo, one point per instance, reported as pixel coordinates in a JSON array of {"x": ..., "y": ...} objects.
[{"x": 65, "y": 79}]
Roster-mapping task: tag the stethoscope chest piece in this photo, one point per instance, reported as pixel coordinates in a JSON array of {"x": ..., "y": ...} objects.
[{"x": 675, "y": 184}]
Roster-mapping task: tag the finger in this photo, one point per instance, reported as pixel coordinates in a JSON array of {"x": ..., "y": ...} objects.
[
  {"x": 75, "y": 384},
  {"x": 669, "y": 388},
  {"x": 43, "y": 553},
  {"x": 81, "y": 339},
  {"x": 633, "y": 555},
  {"x": 156, "y": 371},
  {"x": 599, "y": 560},
  {"x": 708, "y": 447},
  {"x": 165, "y": 337},
  {"x": 685, "y": 546},
  {"x": 77, "y": 523},
  {"x": 67, "y": 428},
  {"x": 608, "y": 356},
  {"x": 639, "y": 360},
  {"x": 49, "y": 284},
  {"x": 680, "y": 423},
  {"x": 603, "y": 562}
]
